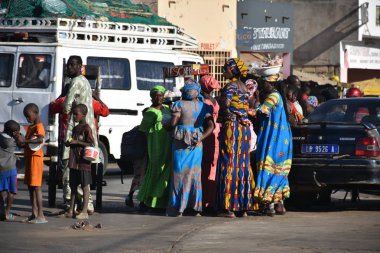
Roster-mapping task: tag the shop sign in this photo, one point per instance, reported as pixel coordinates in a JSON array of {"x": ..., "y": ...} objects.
[
  {"x": 264, "y": 27},
  {"x": 360, "y": 57}
]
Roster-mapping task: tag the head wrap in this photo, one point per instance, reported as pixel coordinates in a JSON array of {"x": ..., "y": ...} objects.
[
  {"x": 209, "y": 83},
  {"x": 272, "y": 78},
  {"x": 237, "y": 67},
  {"x": 157, "y": 88},
  {"x": 191, "y": 89},
  {"x": 312, "y": 100}
]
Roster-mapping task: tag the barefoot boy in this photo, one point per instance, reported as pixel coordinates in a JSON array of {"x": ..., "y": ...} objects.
[
  {"x": 34, "y": 162},
  {"x": 8, "y": 171},
  {"x": 80, "y": 169}
]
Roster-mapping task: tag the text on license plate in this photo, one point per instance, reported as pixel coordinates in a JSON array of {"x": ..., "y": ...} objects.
[{"x": 320, "y": 149}]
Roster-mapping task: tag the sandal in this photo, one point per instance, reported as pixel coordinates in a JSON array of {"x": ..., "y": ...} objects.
[
  {"x": 11, "y": 217},
  {"x": 269, "y": 212},
  {"x": 227, "y": 214},
  {"x": 38, "y": 221},
  {"x": 29, "y": 219},
  {"x": 280, "y": 209}
]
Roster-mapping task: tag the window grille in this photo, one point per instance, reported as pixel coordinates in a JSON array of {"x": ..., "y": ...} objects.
[{"x": 216, "y": 60}]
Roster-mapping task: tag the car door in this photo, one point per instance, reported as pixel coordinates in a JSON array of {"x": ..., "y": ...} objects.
[
  {"x": 33, "y": 84},
  {"x": 7, "y": 61}
]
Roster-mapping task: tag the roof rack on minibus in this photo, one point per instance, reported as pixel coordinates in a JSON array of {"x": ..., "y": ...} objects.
[{"x": 97, "y": 33}]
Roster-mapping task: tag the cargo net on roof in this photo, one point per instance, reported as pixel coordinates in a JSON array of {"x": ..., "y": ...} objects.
[{"x": 106, "y": 10}]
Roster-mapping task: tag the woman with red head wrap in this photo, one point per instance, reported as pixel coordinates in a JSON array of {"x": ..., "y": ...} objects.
[{"x": 210, "y": 146}]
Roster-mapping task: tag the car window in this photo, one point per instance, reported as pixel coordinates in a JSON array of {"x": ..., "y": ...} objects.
[
  {"x": 151, "y": 73},
  {"x": 114, "y": 72},
  {"x": 6, "y": 69},
  {"x": 347, "y": 111},
  {"x": 34, "y": 71}
]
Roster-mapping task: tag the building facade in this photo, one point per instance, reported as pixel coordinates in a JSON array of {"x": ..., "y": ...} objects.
[
  {"x": 319, "y": 28},
  {"x": 360, "y": 58}
]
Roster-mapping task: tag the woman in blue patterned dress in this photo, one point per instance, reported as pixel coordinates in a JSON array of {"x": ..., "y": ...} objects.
[
  {"x": 235, "y": 177},
  {"x": 274, "y": 149},
  {"x": 189, "y": 115}
]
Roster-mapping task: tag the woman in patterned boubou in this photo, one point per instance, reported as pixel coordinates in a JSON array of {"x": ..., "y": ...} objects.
[
  {"x": 274, "y": 149},
  {"x": 192, "y": 122},
  {"x": 235, "y": 177}
]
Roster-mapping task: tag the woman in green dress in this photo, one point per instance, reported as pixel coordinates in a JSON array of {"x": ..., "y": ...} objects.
[{"x": 154, "y": 191}]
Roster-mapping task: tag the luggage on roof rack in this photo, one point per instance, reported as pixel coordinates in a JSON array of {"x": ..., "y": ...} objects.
[{"x": 96, "y": 32}]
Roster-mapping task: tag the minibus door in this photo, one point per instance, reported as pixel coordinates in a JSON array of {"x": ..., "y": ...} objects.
[{"x": 33, "y": 84}]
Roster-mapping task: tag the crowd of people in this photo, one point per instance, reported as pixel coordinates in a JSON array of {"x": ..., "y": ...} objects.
[{"x": 228, "y": 156}]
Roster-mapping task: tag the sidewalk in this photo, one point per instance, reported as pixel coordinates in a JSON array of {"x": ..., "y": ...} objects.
[{"x": 342, "y": 227}]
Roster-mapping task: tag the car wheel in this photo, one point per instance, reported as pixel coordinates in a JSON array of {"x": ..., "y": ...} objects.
[{"x": 103, "y": 156}]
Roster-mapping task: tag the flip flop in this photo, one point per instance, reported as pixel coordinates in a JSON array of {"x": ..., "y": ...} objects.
[
  {"x": 11, "y": 217},
  {"x": 38, "y": 221},
  {"x": 29, "y": 219}
]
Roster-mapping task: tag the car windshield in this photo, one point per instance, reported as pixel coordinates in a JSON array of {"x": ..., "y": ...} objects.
[{"x": 347, "y": 111}]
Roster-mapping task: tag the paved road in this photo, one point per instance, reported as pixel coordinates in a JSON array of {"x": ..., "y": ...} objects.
[{"x": 341, "y": 227}]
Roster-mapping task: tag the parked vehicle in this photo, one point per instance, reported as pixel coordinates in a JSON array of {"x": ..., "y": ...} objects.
[
  {"x": 131, "y": 57},
  {"x": 337, "y": 148}
]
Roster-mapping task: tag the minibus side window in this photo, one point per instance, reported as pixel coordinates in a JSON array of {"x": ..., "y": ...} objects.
[
  {"x": 114, "y": 72},
  {"x": 6, "y": 69},
  {"x": 34, "y": 71},
  {"x": 151, "y": 73}
]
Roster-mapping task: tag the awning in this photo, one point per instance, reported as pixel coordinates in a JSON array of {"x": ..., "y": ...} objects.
[{"x": 370, "y": 87}]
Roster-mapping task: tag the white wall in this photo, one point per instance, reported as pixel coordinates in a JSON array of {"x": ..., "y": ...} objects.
[
  {"x": 211, "y": 22},
  {"x": 369, "y": 30}
]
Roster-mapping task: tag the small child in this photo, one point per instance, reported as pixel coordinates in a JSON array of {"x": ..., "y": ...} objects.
[
  {"x": 80, "y": 169},
  {"x": 8, "y": 171},
  {"x": 34, "y": 162}
]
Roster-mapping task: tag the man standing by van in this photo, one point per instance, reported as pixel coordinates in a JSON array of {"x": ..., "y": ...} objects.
[{"x": 79, "y": 92}]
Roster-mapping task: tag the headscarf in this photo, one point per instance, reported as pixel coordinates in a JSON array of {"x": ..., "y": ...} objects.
[
  {"x": 209, "y": 83},
  {"x": 272, "y": 78},
  {"x": 313, "y": 101},
  {"x": 157, "y": 88},
  {"x": 237, "y": 67},
  {"x": 191, "y": 89}
]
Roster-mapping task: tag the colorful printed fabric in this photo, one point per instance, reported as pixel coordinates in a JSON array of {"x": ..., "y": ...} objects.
[
  {"x": 313, "y": 101},
  {"x": 191, "y": 89},
  {"x": 154, "y": 191},
  {"x": 238, "y": 102},
  {"x": 236, "y": 180},
  {"x": 272, "y": 78},
  {"x": 237, "y": 67},
  {"x": 274, "y": 151},
  {"x": 209, "y": 83},
  {"x": 186, "y": 187}
]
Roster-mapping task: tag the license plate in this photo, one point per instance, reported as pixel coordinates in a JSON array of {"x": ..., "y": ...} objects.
[{"x": 325, "y": 149}]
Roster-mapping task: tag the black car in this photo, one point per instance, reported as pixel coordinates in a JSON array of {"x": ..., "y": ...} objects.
[{"x": 337, "y": 147}]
